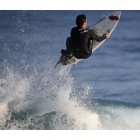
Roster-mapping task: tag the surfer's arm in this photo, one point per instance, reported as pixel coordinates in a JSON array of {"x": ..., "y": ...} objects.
[{"x": 97, "y": 38}]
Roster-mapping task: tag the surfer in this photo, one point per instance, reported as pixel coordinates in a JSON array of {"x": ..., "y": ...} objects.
[{"x": 81, "y": 39}]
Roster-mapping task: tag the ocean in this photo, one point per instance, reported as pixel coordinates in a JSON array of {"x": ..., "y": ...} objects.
[{"x": 101, "y": 92}]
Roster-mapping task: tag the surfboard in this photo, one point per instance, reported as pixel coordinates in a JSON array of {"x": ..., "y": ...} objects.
[{"x": 102, "y": 26}]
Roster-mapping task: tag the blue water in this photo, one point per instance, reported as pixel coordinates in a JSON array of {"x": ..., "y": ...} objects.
[{"x": 102, "y": 92}]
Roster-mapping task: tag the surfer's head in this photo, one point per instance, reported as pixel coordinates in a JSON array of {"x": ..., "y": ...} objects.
[{"x": 81, "y": 21}]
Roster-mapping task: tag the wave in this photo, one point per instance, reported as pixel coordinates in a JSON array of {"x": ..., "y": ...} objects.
[
  {"x": 53, "y": 99},
  {"x": 26, "y": 99}
]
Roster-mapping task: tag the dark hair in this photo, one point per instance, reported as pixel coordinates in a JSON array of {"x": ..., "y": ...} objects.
[{"x": 80, "y": 20}]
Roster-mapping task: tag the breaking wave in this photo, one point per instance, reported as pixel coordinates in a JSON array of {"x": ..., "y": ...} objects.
[{"x": 53, "y": 99}]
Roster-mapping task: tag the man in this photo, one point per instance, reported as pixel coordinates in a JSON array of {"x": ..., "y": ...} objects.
[{"x": 81, "y": 41}]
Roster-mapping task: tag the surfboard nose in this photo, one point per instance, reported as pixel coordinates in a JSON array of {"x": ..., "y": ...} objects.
[{"x": 118, "y": 13}]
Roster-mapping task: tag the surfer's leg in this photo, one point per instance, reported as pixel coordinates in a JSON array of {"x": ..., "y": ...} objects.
[
  {"x": 68, "y": 44},
  {"x": 68, "y": 47}
]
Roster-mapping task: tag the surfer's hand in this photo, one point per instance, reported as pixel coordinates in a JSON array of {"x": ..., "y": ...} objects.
[{"x": 107, "y": 35}]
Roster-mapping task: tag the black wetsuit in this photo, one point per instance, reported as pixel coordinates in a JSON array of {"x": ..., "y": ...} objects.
[{"x": 80, "y": 40}]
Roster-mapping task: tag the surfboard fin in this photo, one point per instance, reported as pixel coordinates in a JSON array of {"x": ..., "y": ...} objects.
[{"x": 57, "y": 64}]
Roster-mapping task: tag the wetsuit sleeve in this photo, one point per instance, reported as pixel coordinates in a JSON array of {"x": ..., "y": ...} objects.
[{"x": 97, "y": 38}]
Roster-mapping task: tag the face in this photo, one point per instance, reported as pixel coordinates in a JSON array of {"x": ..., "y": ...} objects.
[{"x": 85, "y": 24}]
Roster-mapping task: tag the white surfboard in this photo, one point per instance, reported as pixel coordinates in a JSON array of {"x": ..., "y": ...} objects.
[
  {"x": 101, "y": 27},
  {"x": 105, "y": 24}
]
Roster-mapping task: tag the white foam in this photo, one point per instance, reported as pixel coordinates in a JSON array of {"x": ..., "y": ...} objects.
[
  {"x": 4, "y": 112},
  {"x": 54, "y": 90},
  {"x": 83, "y": 118},
  {"x": 13, "y": 92}
]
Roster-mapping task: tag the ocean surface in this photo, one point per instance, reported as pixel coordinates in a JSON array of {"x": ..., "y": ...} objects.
[{"x": 102, "y": 92}]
